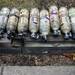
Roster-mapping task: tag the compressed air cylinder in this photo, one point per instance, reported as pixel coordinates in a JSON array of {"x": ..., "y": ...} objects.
[
  {"x": 44, "y": 24},
  {"x": 12, "y": 21},
  {"x": 65, "y": 22},
  {"x": 54, "y": 20},
  {"x": 4, "y": 13},
  {"x": 34, "y": 22},
  {"x": 23, "y": 21},
  {"x": 72, "y": 19}
]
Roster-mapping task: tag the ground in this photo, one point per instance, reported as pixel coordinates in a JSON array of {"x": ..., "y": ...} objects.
[
  {"x": 36, "y": 60},
  {"x": 35, "y": 3},
  {"x": 44, "y": 70}
]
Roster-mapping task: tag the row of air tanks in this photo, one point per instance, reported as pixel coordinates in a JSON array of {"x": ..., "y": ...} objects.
[
  {"x": 38, "y": 23},
  {"x": 60, "y": 21},
  {"x": 56, "y": 20}
]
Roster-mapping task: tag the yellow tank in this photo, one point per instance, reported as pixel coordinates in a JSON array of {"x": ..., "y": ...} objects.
[
  {"x": 72, "y": 19},
  {"x": 54, "y": 20},
  {"x": 34, "y": 22},
  {"x": 44, "y": 24},
  {"x": 23, "y": 21},
  {"x": 65, "y": 22},
  {"x": 13, "y": 20}
]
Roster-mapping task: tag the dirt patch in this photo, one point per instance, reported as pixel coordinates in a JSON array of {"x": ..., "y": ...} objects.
[
  {"x": 35, "y": 60},
  {"x": 35, "y": 3}
]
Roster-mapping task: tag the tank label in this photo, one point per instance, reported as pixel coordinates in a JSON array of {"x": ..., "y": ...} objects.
[
  {"x": 44, "y": 25},
  {"x": 54, "y": 19}
]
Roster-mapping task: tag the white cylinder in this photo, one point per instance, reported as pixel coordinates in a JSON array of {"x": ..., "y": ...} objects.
[
  {"x": 72, "y": 18},
  {"x": 23, "y": 21},
  {"x": 54, "y": 19},
  {"x": 4, "y": 17},
  {"x": 64, "y": 18},
  {"x": 34, "y": 20},
  {"x": 44, "y": 22},
  {"x": 13, "y": 20}
]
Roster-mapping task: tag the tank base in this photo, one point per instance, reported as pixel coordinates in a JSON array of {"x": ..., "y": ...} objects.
[
  {"x": 2, "y": 34},
  {"x": 66, "y": 36},
  {"x": 45, "y": 38},
  {"x": 34, "y": 36},
  {"x": 22, "y": 34},
  {"x": 70, "y": 35},
  {"x": 73, "y": 36},
  {"x": 10, "y": 34},
  {"x": 56, "y": 33}
]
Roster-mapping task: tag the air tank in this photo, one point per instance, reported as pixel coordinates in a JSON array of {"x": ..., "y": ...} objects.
[
  {"x": 34, "y": 22},
  {"x": 4, "y": 13},
  {"x": 44, "y": 24},
  {"x": 23, "y": 21},
  {"x": 65, "y": 22},
  {"x": 12, "y": 21},
  {"x": 72, "y": 19},
  {"x": 54, "y": 20}
]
